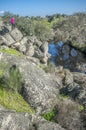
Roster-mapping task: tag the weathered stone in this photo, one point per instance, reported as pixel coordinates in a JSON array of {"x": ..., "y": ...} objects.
[
  {"x": 81, "y": 79},
  {"x": 9, "y": 39},
  {"x": 6, "y": 40},
  {"x": 22, "y": 48},
  {"x": 33, "y": 60},
  {"x": 16, "y": 45},
  {"x": 68, "y": 77},
  {"x": 16, "y": 34},
  {"x": 40, "y": 89},
  {"x": 29, "y": 49},
  {"x": 11, "y": 120},
  {"x": 73, "y": 29},
  {"x": 24, "y": 41}
]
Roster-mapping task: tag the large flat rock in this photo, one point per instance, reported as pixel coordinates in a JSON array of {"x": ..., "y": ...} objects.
[{"x": 40, "y": 89}]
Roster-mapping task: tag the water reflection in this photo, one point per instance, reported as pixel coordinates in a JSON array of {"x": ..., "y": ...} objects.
[
  {"x": 63, "y": 54},
  {"x": 53, "y": 50},
  {"x": 74, "y": 52}
]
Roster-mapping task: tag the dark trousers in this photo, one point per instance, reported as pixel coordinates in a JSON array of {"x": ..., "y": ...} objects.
[{"x": 13, "y": 26}]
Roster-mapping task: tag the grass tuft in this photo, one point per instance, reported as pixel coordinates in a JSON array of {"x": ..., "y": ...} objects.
[
  {"x": 14, "y": 101},
  {"x": 12, "y": 51}
]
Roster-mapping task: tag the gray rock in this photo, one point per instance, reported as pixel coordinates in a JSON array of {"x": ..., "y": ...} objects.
[
  {"x": 75, "y": 86},
  {"x": 22, "y": 48},
  {"x": 81, "y": 79},
  {"x": 44, "y": 47},
  {"x": 40, "y": 89},
  {"x": 73, "y": 29},
  {"x": 33, "y": 60},
  {"x": 30, "y": 50},
  {"x": 32, "y": 39},
  {"x": 16, "y": 45},
  {"x": 6, "y": 40},
  {"x": 39, "y": 54},
  {"x": 10, "y": 120},
  {"x": 24, "y": 41},
  {"x": 68, "y": 77},
  {"x": 37, "y": 43},
  {"x": 16, "y": 34},
  {"x": 48, "y": 126}
]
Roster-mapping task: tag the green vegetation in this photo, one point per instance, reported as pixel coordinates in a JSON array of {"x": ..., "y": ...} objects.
[
  {"x": 14, "y": 101},
  {"x": 12, "y": 51},
  {"x": 60, "y": 96},
  {"x": 14, "y": 79},
  {"x": 10, "y": 77},
  {"x": 50, "y": 115},
  {"x": 10, "y": 84},
  {"x": 3, "y": 68},
  {"x": 81, "y": 107},
  {"x": 30, "y": 26},
  {"x": 38, "y": 26}
]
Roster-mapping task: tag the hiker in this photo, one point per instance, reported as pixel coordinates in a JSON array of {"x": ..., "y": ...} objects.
[{"x": 12, "y": 21}]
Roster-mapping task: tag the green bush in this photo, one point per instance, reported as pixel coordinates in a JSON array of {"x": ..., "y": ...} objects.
[
  {"x": 37, "y": 26},
  {"x": 50, "y": 115},
  {"x": 81, "y": 107},
  {"x": 13, "y": 79}
]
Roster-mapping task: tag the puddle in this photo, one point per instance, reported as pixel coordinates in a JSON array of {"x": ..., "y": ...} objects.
[{"x": 66, "y": 56}]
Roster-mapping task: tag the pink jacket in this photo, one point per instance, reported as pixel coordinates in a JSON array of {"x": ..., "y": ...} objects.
[{"x": 12, "y": 20}]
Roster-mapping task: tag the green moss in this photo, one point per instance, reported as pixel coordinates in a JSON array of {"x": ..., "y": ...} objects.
[
  {"x": 14, "y": 101},
  {"x": 63, "y": 96},
  {"x": 50, "y": 115},
  {"x": 81, "y": 107},
  {"x": 12, "y": 51},
  {"x": 41, "y": 66},
  {"x": 75, "y": 44}
]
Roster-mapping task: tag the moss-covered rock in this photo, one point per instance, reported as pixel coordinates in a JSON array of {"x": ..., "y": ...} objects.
[
  {"x": 12, "y": 51},
  {"x": 14, "y": 101}
]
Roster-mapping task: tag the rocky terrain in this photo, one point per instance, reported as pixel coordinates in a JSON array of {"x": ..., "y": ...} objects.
[
  {"x": 58, "y": 97},
  {"x": 72, "y": 30}
]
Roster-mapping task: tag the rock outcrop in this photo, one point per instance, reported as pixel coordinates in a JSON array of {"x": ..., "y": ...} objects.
[
  {"x": 73, "y": 29},
  {"x": 75, "y": 86},
  {"x": 30, "y": 46},
  {"x": 40, "y": 89},
  {"x": 12, "y": 120}
]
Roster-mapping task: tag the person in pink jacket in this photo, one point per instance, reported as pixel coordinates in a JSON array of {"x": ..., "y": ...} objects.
[{"x": 12, "y": 21}]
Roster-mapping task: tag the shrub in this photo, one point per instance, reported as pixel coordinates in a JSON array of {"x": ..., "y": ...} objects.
[
  {"x": 81, "y": 107},
  {"x": 13, "y": 80},
  {"x": 68, "y": 115},
  {"x": 50, "y": 115}
]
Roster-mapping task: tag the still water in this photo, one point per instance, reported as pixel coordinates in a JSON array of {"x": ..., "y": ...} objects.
[{"x": 66, "y": 56}]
